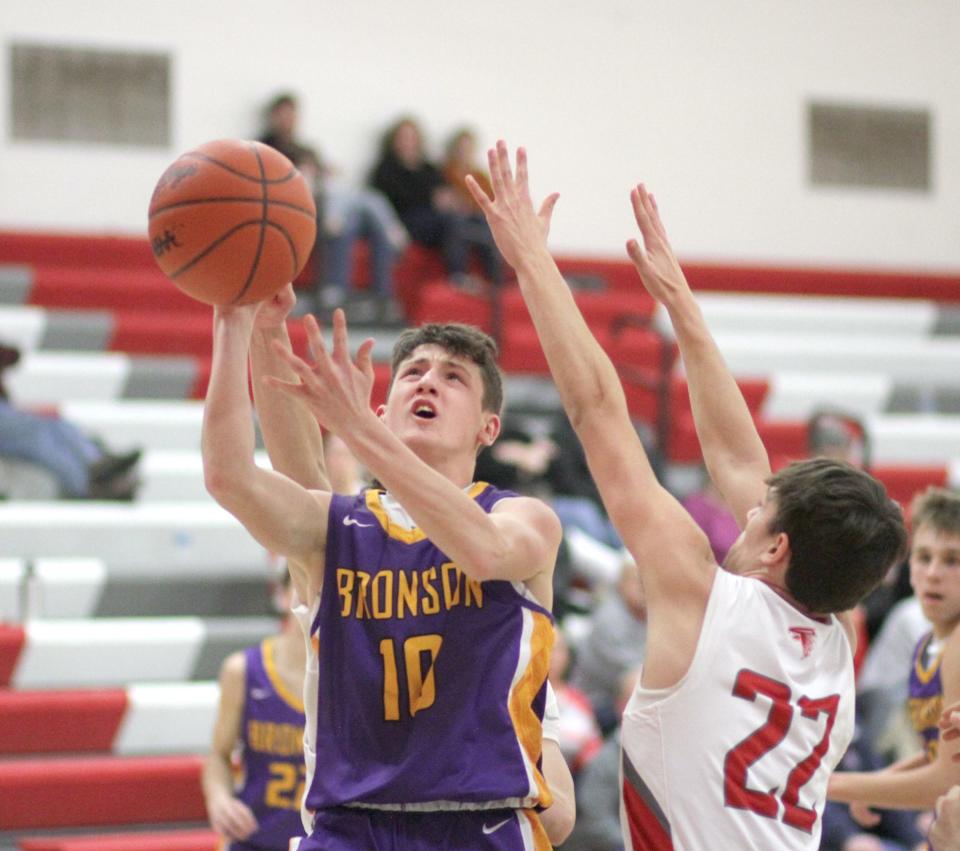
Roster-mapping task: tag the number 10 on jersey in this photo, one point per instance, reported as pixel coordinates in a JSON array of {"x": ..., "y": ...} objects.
[{"x": 421, "y": 685}]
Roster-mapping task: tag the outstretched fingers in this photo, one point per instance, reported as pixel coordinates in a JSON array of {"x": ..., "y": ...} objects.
[
  {"x": 341, "y": 346},
  {"x": 522, "y": 174},
  {"x": 481, "y": 197},
  {"x": 503, "y": 158},
  {"x": 641, "y": 212},
  {"x": 299, "y": 367},
  {"x": 496, "y": 175},
  {"x": 364, "y": 359},
  {"x": 546, "y": 208}
]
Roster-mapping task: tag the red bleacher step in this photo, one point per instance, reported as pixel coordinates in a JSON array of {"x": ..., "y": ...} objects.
[
  {"x": 11, "y": 643},
  {"x": 76, "y": 249},
  {"x": 94, "y": 791},
  {"x": 33, "y": 722},
  {"x": 172, "y": 840}
]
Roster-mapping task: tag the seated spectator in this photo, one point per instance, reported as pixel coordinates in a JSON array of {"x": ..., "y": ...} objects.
[
  {"x": 707, "y": 508},
  {"x": 575, "y": 496},
  {"x": 83, "y": 468},
  {"x": 882, "y": 686},
  {"x": 579, "y": 734},
  {"x": 429, "y": 207},
  {"x": 345, "y": 214},
  {"x": 614, "y": 645},
  {"x": 598, "y": 789},
  {"x": 461, "y": 160}
]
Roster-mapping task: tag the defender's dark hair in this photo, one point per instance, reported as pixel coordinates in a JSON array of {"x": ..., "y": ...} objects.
[
  {"x": 937, "y": 508},
  {"x": 465, "y": 341},
  {"x": 844, "y": 532}
]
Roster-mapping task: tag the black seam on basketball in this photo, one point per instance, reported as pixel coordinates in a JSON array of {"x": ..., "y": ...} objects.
[
  {"x": 232, "y": 200},
  {"x": 290, "y": 175},
  {"x": 290, "y": 244},
  {"x": 263, "y": 229},
  {"x": 211, "y": 247}
]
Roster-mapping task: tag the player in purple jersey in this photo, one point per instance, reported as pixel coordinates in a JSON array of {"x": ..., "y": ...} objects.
[
  {"x": 433, "y": 626},
  {"x": 293, "y": 444},
  {"x": 253, "y": 778},
  {"x": 739, "y": 661},
  {"x": 916, "y": 782}
]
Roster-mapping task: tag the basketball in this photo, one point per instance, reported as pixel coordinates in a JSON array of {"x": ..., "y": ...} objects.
[{"x": 231, "y": 222}]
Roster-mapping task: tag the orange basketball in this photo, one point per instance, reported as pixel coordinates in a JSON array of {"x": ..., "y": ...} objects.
[{"x": 232, "y": 222}]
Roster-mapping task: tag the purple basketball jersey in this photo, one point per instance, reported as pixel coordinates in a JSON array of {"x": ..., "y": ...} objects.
[
  {"x": 926, "y": 694},
  {"x": 430, "y": 686},
  {"x": 272, "y": 738}
]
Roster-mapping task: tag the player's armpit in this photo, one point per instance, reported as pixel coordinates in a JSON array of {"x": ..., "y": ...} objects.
[
  {"x": 284, "y": 517},
  {"x": 530, "y": 534}
]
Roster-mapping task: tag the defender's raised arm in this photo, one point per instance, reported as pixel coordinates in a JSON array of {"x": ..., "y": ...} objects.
[
  {"x": 650, "y": 521},
  {"x": 735, "y": 457}
]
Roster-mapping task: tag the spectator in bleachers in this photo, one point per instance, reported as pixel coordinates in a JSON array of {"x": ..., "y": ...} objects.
[
  {"x": 580, "y": 738},
  {"x": 258, "y": 738},
  {"x": 82, "y": 467},
  {"x": 598, "y": 788},
  {"x": 345, "y": 215},
  {"x": 523, "y": 459},
  {"x": 576, "y": 498},
  {"x": 614, "y": 645},
  {"x": 461, "y": 160},
  {"x": 882, "y": 686},
  {"x": 429, "y": 207},
  {"x": 838, "y": 435},
  {"x": 707, "y": 508}
]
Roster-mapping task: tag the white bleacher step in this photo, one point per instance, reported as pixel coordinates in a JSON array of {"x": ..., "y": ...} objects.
[
  {"x": 936, "y": 361},
  {"x": 22, "y": 327},
  {"x": 168, "y": 718},
  {"x": 817, "y": 315},
  {"x": 42, "y": 378},
  {"x": 56, "y": 588},
  {"x": 12, "y": 577},
  {"x": 164, "y": 539},
  {"x": 104, "y": 652},
  {"x": 53, "y": 377},
  {"x": 176, "y": 475},
  {"x": 914, "y": 438},
  {"x": 122, "y": 425},
  {"x": 795, "y": 395}
]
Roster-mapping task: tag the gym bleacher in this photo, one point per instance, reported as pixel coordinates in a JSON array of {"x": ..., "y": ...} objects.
[{"x": 114, "y": 617}]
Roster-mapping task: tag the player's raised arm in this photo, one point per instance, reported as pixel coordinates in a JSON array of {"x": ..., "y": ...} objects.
[
  {"x": 282, "y": 515},
  {"x": 734, "y": 455},
  {"x": 517, "y": 540},
  {"x": 650, "y": 521},
  {"x": 290, "y": 431}
]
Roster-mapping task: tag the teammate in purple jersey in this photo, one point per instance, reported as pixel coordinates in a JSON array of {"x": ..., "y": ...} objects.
[
  {"x": 461, "y": 562},
  {"x": 253, "y": 778},
  {"x": 916, "y": 782}
]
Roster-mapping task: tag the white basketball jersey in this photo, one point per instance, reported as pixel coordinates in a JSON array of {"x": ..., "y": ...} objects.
[{"x": 736, "y": 756}]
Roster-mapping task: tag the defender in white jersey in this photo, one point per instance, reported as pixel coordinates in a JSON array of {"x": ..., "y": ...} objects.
[{"x": 746, "y": 695}]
